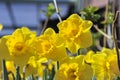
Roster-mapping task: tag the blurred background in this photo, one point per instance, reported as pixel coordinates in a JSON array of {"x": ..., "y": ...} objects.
[{"x": 18, "y": 13}]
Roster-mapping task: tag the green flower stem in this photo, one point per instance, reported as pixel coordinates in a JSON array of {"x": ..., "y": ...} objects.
[
  {"x": 78, "y": 52},
  {"x": 52, "y": 73},
  {"x": 24, "y": 70},
  {"x": 31, "y": 77},
  {"x": 58, "y": 65},
  {"x": 5, "y": 74},
  {"x": 17, "y": 73},
  {"x": 45, "y": 74}
]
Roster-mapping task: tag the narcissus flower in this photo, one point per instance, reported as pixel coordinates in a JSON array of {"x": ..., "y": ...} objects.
[
  {"x": 74, "y": 68},
  {"x": 50, "y": 45},
  {"x": 19, "y": 45},
  {"x": 31, "y": 67},
  {"x": 68, "y": 72},
  {"x": 76, "y": 32},
  {"x": 105, "y": 65},
  {"x": 35, "y": 66}
]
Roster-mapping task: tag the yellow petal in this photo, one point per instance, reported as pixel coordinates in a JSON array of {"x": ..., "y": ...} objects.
[
  {"x": 49, "y": 31},
  {"x": 1, "y": 26},
  {"x": 84, "y": 40},
  {"x": 75, "y": 16},
  {"x": 72, "y": 46},
  {"x": 88, "y": 57},
  {"x": 86, "y": 25},
  {"x": 4, "y": 53}
]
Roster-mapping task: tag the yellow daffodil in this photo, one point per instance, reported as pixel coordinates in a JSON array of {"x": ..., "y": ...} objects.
[
  {"x": 105, "y": 65},
  {"x": 19, "y": 45},
  {"x": 35, "y": 66},
  {"x": 74, "y": 68},
  {"x": 76, "y": 32},
  {"x": 31, "y": 67},
  {"x": 1, "y": 26},
  {"x": 42, "y": 63},
  {"x": 68, "y": 72},
  {"x": 50, "y": 45}
]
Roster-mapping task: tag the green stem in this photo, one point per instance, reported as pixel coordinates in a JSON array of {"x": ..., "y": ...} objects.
[
  {"x": 17, "y": 73},
  {"x": 78, "y": 52},
  {"x": 58, "y": 65},
  {"x": 52, "y": 73},
  {"x": 5, "y": 74},
  {"x": 45, "y": 74}
]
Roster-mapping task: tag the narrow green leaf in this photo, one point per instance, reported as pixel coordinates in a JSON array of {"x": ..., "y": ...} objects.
[
  {"x": 45, "y": 74},
  {"x": 5, "y": 74},
  {"x": 52, "y": 73},
  {"x": 17, "y": 73},
  {"x": 30, "y": 77},
  {"x": 78, "y": 52},
  {"x": 58, "y": 64}
]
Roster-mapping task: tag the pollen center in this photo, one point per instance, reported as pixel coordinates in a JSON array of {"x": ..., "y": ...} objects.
[{"x": 19, "y": 46}]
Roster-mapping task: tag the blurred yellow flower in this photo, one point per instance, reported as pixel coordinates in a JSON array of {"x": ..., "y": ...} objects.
[
  {"x": 19, "y": 45},
  {"x": 1, "y": 26},
  {"x": 105, "y": 65},
  {"x": 68, "y": 72},
  {"x": 74, "y": 68},
  {"x": 35, "y": 66},
  {"x": 4, "y": 53},
  {"x": 76, "y": 32},
  {"x": 31, "y": 67},
  {"x": 50, "y": 45}
]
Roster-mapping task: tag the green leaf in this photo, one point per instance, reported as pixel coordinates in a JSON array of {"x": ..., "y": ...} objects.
[
  {"x": 45, "y": 76},
  {"x": 52, "y": 73},
  {"x": 50, "y": 10},
  {"x": 18, "y": 77},
  {"x": 5, "y": 74},
  {"x": 110, "y": 17},
  {"x": 30, "y": 77},
  {"x": 90, "y": 9},
  {"x": 89, "y": 13},
  {"x": 58, "y": 65}
]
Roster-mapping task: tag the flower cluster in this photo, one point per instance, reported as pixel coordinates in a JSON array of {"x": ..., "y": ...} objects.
[{"x": 36, "y": 53}]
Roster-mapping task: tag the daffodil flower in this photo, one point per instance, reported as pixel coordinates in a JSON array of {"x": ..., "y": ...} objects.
[
  {"x": 19, "y": 45},
  {"x": 105, "y": 65},
  {"x": 50, "y": 45},
  {"x": 74, "y": 68},
  {"x": 76, "y": 32}
]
